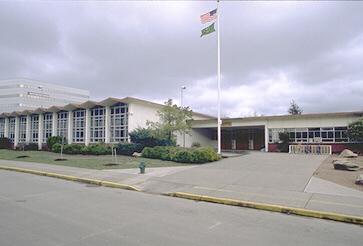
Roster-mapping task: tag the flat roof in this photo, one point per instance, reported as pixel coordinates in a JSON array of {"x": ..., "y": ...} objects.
[
  {"x": 90, "y": 104},
  {"x": 288, "y": 116}
]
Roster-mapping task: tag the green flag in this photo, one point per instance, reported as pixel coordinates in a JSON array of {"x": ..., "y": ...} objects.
[{"x": 208, "y": 29}]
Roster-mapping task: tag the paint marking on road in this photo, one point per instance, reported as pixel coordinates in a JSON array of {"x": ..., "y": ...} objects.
[{"x": 214, "y": 225}]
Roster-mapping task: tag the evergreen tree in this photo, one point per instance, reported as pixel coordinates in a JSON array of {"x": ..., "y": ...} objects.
[{"x": 294, "y": 108}]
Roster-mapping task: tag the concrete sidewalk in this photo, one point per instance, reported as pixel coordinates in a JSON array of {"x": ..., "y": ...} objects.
[{"x": 273, "y": 178}]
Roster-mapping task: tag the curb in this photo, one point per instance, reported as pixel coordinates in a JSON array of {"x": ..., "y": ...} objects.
[
  {"x": 271, "y": 207},
  {"x": 72, "y": 178}
]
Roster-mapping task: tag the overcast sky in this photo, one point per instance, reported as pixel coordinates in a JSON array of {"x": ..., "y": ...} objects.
[{"x": 271, "y": 52}]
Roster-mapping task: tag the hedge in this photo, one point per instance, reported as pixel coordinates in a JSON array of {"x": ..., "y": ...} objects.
[
  {"x": 94, "y": 149},
  {"x": 178, "y": 154},
  {"x": 128, "y": 148},
  {"x": 5, "y": 143},
  {"x": 28, "y": 146}
]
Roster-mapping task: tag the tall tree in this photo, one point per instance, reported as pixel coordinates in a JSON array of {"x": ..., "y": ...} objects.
[
  {"x": 355, "y": 131},
  {"x": 294, "y": 109},
  {"x": 173, "y": 119}
]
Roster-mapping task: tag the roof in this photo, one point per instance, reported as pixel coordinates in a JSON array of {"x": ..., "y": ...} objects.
[
  {"x": 300, "y": 116},
  {"x": 90, "y": 104}
]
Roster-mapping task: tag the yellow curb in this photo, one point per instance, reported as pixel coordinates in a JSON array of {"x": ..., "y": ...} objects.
[
  {"x": 72, "y": 178},
  {"x": 272, "y": 208}
]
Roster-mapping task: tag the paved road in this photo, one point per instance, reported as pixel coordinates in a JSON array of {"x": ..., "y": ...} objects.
[{"x": 37, "y": 210}]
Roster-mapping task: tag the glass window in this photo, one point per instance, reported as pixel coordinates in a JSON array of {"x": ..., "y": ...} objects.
[
  {"x": 119, "y": 123},
  {"x": 2, "y": 127},
  {"x": 79, "y": 125},
  {"x": 97, "y": 126},
  {"x": 22, "y": 129},
  {"x": 62, "y": 124},
  {"x": 47, "y": 126},
  {"x": 34, "y": 128}
]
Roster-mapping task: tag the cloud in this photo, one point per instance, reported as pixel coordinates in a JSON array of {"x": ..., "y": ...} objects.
[{"x": 272, "y": 52}]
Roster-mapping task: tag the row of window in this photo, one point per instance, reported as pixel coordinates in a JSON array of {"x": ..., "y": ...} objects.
[
  {"x": 118, "y": 125},
  {"x": 311, "y": 135}
]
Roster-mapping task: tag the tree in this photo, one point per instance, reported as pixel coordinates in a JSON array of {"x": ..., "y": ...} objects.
[
  {"x": 294, "y": 108},
  {"x": 173, "y": 119},
  {"x": 355, "y": 131}
]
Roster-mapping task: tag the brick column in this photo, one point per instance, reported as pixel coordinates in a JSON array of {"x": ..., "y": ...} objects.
[
  {"x": 16, "y": 135},
  {"x": 40, "y": 131},
  {"x": 6, "y": 128},
  {"x": 54, "y": 123},
  {"x": 107, "y": 124},
  {"x": 27, "y": 130},
  {"x": 70, "y": 127},
  {"x": 87, "y": 127}
]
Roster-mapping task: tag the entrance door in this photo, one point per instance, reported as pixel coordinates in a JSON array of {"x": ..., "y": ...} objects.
[
  {"x": 250, "y": 144},
  {"x": 234, "y": 144}
]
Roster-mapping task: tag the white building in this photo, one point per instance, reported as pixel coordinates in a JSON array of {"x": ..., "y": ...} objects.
[
  {"x": 22, "y": 94},
  {"x": 107, "y": 121},
  {"x": 111, "y": 120}
]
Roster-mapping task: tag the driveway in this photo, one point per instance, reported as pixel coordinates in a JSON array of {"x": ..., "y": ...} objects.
[{"x": 253, "y": 170}]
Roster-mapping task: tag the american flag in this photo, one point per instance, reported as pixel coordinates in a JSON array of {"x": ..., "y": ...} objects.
[{"x": 210, "y": 16}]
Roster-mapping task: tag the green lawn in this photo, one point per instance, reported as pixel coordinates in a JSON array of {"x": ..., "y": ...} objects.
[{"x": 84, "y": 161}]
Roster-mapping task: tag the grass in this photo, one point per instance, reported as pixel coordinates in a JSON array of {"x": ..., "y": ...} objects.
[{"x": 84, "y": 161}]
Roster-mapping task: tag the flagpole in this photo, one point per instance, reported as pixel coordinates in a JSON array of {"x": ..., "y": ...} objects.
[{"x": 219, "y": 122}]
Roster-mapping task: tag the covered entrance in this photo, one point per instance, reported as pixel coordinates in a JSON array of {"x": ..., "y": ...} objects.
[{"x": 243, "y": 138}]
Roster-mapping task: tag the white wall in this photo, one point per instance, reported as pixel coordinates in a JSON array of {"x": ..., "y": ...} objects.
[
  {"x": 202, "y": 136},
  {"x": 140, "y": 113},
  {"x": 311, "y": 122}
]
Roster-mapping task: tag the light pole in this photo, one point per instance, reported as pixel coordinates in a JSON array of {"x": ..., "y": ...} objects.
[{"x": 182, "y": 88}]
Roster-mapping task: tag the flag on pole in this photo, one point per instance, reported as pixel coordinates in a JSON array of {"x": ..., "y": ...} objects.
[
  {"x": 210, "y": 16},
  {"x": 209, "y": 29}
]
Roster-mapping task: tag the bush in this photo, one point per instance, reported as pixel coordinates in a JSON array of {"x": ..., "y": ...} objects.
[
  {"x": 355, "y": 131},
  {"x": 178, "y": 154},
  {"x": 28, "y": 146},
  {"x": 72, "y": 149},
  {"x": 56, "y": 148},
  {"x": 53, "y": 140},
  {"x": 128, "y": 148},
  {"x": 196, "y": 145},
  {"x": 147, "y": 138},
  {"x": 5, "y": 143},
  {"x": 283, "y": 144},
  {"x": 96, "y": 149}
]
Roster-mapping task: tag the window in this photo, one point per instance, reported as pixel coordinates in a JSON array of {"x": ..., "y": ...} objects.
[
  {"x": 12, "y": 129},
  {"x": 34, "y": 128},
  {"x": 340, "y": 134},
  {"x": 119, "y": 123},
  {"x": 79, "y": 125},
  {"x": 311, "y": 135},
  {"x": 2, "y": 127},
  {"x": 47, "y": 126},
  {"x": 22, "y": 129},
  {"x": 97, "y": 127},
  {"x": 62, "y": 124}
]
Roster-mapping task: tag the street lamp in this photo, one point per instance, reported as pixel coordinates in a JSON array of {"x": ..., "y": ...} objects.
[{"x": 182, "y": 88}]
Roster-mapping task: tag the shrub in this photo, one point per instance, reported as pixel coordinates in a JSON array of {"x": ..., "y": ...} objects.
[
  {"x": 355, "y": 131},
  {"x": 5, "y": 143},
  {"x": 147, "y": 138},
  {"x": 128, "y": 148},
  {"x": 178, "y": 154},
  {"x": 72, "y": 149},
  {"x": 28, "y": 146},
  {"x": 57, "y": 147},
  {"x": 196, "y": 145},
  {"x": 96, "y": 149},
  {"x": 53, "y": 140},
  {"x": 283, "y": 144}
]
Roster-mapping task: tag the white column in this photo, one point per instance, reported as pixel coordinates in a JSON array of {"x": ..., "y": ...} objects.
[
  {"x": 27, "y": 129},
  {"x": 266, "y": 138},
  {"x": 40, "y": 131},
  {"x": 6, "y": 129},
  {"x": 16, "y": 135},
  {"x": 87, "y": 127},
  {"x": 70, "y": 127},
  {"x": 107, "y": 124},
  {"x": 54, "y": 123}
]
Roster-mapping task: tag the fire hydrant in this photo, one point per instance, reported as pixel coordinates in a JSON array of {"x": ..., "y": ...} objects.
[{"x": 142, "y": 167}]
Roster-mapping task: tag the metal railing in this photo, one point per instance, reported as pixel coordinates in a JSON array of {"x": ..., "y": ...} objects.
[{"x": 310, "y": 149}]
